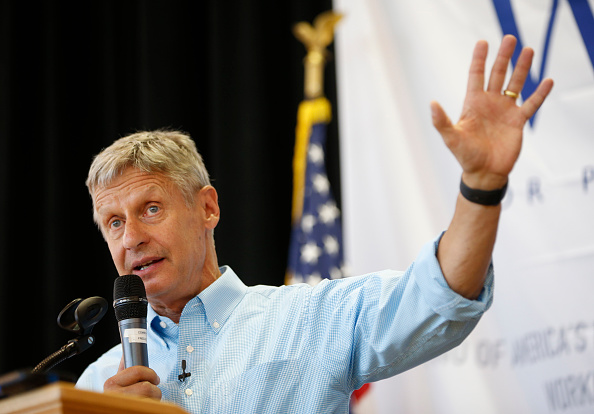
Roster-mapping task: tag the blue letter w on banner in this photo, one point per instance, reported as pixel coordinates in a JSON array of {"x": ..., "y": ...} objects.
[{"x": 584, "y": 18}]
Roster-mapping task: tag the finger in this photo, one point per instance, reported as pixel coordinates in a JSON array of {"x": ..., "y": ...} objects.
[
  {"x": 476, "y": 75},
  {"x": 142, "y": 389},
  {"x": 516, "y": 82},
  {"x": 439, "y": 117},
  {"x": 506, "y": 50},
  {"x": 134, "y": 375},
  {"x": 531, "y": 105},
  {"x": 442, "y": 122}
]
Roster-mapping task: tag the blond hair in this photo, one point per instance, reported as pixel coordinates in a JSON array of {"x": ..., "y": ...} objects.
[{"x": 171, "y": 153}]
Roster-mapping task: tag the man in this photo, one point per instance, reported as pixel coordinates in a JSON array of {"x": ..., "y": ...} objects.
[{"x": 298, "y": 348}]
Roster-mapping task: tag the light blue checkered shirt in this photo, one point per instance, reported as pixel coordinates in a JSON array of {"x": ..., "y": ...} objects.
[{"x": 301, "y": 349}]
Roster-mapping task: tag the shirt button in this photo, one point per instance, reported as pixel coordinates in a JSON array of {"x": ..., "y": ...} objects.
[
  {"x": 216, "y": 325},
  {"x": 189, "y": 348},
  {"x": 163, "y": 324},
  {"x": 189, "y": 392}
]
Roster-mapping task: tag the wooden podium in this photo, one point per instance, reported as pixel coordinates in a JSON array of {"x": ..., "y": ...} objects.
[{"x": 63, "y": 398}]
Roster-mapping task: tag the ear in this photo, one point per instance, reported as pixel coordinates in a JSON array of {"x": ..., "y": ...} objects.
[{"x": 208, "y": 200}]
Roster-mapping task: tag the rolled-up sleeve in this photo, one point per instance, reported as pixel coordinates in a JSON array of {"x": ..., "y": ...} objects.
[{"x": 438, "y": 295}]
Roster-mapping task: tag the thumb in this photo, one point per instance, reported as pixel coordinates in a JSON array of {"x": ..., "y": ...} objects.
[
  {"x": 441, "y": 122},
  {"x": 444, "y": 125}
]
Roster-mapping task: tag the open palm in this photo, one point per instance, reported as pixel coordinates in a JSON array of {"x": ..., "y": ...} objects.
[{"x": 487, "y": 138}]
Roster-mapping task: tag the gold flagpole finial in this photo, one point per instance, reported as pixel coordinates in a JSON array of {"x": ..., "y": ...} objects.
[{"x": 316, "y": 38}]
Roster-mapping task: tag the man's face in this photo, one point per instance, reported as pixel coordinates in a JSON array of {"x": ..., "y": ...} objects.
[{"x": 151, "y": 232}]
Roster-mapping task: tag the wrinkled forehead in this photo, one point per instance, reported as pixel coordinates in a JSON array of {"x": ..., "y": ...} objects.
[{"x": 131, "y": 186}]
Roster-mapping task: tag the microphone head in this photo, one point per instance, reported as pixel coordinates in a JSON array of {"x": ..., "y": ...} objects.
[{"x": 129, "y": 297}]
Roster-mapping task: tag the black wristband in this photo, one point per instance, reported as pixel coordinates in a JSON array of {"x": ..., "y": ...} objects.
[{"x": 485, "y": 198}]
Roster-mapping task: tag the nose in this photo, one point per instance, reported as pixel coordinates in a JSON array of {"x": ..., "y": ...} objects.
[{"x": 134, "y": 234}]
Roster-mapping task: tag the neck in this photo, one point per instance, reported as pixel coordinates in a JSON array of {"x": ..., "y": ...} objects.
[
  {"x": 170, "y": 313},
  {"x": 172, "y": 307},
  {"x": 173, "y": 310}
]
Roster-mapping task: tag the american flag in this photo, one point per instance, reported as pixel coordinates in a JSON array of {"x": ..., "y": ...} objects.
[{"x": 315, "y": 251}]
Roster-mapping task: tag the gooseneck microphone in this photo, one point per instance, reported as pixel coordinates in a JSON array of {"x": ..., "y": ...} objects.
[{"x": 130, "y": 305}]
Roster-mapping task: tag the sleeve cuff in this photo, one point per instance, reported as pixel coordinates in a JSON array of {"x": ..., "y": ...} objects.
[{"x": 439, "y": 296}]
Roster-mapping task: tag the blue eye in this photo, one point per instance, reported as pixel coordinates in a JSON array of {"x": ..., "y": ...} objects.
[
  {"x": 153, "y": 209},
  {"x": 115, "y": 224}
]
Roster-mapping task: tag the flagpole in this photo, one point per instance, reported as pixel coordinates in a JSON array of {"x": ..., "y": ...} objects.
[
  {"x": 315, "y": 39},
  {"x": 315, "y": 108}
]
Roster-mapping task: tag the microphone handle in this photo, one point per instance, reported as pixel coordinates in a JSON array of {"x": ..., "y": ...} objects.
[{"x": 134, "y": 337}]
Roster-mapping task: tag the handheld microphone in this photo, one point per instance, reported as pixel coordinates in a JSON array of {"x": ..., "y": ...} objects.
[{"x": 130, "y": 305}]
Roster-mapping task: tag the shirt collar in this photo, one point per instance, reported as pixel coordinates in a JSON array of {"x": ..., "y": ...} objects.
[
  {"x": 219, "y": 300},
  {"x": 222, "y": 296}
]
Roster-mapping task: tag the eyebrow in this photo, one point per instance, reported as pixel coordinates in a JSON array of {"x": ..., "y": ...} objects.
[{"x": 138, "y": 195}]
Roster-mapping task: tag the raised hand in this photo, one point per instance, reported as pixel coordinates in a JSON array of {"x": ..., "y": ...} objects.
[{"x": 487, "y": 139}]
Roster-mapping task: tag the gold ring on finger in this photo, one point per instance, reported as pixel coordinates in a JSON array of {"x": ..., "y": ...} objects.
[{"x": 511, "y": 94}]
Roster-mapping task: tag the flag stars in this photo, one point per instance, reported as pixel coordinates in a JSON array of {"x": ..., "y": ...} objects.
[
  {"x": 331, "y": 245},
  {"x": 328, "y": 213},
  {"x": 310, "y": 253},
  {"x": 295, "y": 278},
  {"x": 335, "y": 273},
  {"x": 314, "y": 278},
  {"x": 316, "y": 245},
  {"x": 308, "y": 221},
  {"x": 321, "y": 184},
  {"x": 316, "y": 154}
]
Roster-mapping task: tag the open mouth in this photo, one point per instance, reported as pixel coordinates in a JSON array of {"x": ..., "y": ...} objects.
[{"x": 147, "y": 264}]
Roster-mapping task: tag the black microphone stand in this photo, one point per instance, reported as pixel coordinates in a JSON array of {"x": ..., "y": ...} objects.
[
  {"x": 79, "y": 316},
  {"x": 73, "y": 347}
]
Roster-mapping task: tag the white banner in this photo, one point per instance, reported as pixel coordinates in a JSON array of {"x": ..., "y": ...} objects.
[{"x": 533, "y": 352}]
